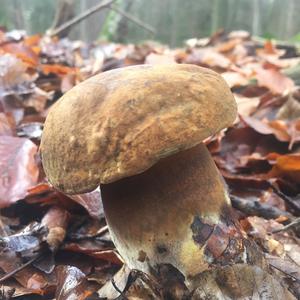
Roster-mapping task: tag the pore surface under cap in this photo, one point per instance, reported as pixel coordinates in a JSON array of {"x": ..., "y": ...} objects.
[{"x": 121, "y": 122}]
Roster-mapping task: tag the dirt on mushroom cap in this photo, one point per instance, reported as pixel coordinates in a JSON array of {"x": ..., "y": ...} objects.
[{"x": 121, "y": 122}]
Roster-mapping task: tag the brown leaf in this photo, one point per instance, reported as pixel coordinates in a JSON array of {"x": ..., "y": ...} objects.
[
  {"x": 291, "y": 108},
  {"x": 57, "y": 69},
  {"x": 274, "y": 80},
  {"x": 21, "y": 51},
  {"x": 14, "y": 79},
  {"x": 37, "y": 99},
  {"x": 156, "y": 59},
  {"x": 18, "y": 168},
  {"x": 67, "y": 82},
  {"x": 294, "y": 132},
  {"x": 208, "y": 57},
  {"x": 277, "y": 128},
  {"x": 7, "y": 126},
  {"x": 30, "y": 278},
  {"x": 246, "y": 106},
  {"x": 269, "y": 47},
  {"x": 239, "y": 281},
  {"x": 91, "y": 202},
  {"x": 287, "y": 166},
  {"x": 95, "y": 250},
  {"x": 261, "y": 231},
  {"x": 234, "y": 79},
  {"x": 288, "y": 269}
]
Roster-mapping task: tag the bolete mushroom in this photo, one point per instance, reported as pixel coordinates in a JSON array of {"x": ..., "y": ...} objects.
[{"x": 137, "y": 132}]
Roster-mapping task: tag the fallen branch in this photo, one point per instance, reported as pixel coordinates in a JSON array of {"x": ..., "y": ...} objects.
[
  {"x": 133, "y": 19},
  {"x": 94, "y": 9},
  {"x": 79, "y": 18}
]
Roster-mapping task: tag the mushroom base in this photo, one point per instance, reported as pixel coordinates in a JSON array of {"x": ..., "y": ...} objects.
[{"x": 177, "y": 213}]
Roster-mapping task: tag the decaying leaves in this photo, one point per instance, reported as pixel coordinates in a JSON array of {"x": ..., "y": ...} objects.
[{"x": 258, "y": 157}]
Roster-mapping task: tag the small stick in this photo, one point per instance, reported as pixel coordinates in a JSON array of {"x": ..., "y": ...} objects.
[
  {"x": 290, "y": 275},
  {"x": 286, "y": 198},
  {"x": 295, "y": 223},
  {"x": 117, "y": 289},
  {"x": 79, "y": 18},
  {"x": 13, "y": 272},
  {"x": 255, "y": 208},
  {"x": 133, "y": 19},
  {"x": 99, "y": 233}
]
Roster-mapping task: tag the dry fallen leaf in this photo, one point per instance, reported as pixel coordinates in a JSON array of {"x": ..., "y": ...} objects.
[{"x": 274, "y": 80}]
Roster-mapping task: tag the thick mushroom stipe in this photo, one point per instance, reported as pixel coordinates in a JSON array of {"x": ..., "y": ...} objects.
[{"x": 177, "y": 213}]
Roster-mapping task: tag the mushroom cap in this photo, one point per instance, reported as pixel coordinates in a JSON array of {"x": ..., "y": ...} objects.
[{"x": 121, "y": 122}]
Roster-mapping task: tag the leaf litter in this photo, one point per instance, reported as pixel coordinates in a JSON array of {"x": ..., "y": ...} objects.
[{"x": 56, "y": 246}]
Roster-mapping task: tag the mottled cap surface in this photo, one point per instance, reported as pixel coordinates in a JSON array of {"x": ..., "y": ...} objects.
[{"x": 121, "y": 122}]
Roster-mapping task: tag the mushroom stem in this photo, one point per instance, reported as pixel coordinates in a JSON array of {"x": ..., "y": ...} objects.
[{"x": 176, "y": 213}]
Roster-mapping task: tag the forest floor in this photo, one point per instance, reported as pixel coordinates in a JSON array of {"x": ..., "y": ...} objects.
[{"x": 53, "y": 245}]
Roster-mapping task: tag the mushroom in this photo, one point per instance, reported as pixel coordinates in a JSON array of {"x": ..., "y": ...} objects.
[{"x": 137, "y": 132}]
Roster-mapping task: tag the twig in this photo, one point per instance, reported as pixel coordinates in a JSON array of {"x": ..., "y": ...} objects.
[
  {"x": 295, "y": 223},
  {"x": 151, "y": 282},
  {"x": 290, "y": 275},
  {"x": 13, "y": 272},
  {"x": 133, "y": 19},
  {"x": 79, "y": 18},
  {"x": 255, "y": 208},
  {"x": 122, "y": 294},
  {"x": 286, "y": 198},
  {"x": 78, "y": 237},
  {"x": 132, "y": 277}
]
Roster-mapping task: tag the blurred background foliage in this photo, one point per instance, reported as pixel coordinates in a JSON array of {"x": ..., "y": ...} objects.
[{"x": 173, "y": 20}]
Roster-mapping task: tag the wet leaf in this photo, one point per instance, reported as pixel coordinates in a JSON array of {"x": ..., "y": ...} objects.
[
  {"x": 28, "y": 239},
  {"x": 31, "y": 130},
  {"x": 257, "y": 157},
  {"x": 19, "y": 170},
  {"x": 72, "y": 284}
]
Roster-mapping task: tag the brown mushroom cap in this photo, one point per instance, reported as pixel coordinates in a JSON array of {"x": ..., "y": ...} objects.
[{"x": 121, "y": 122}]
